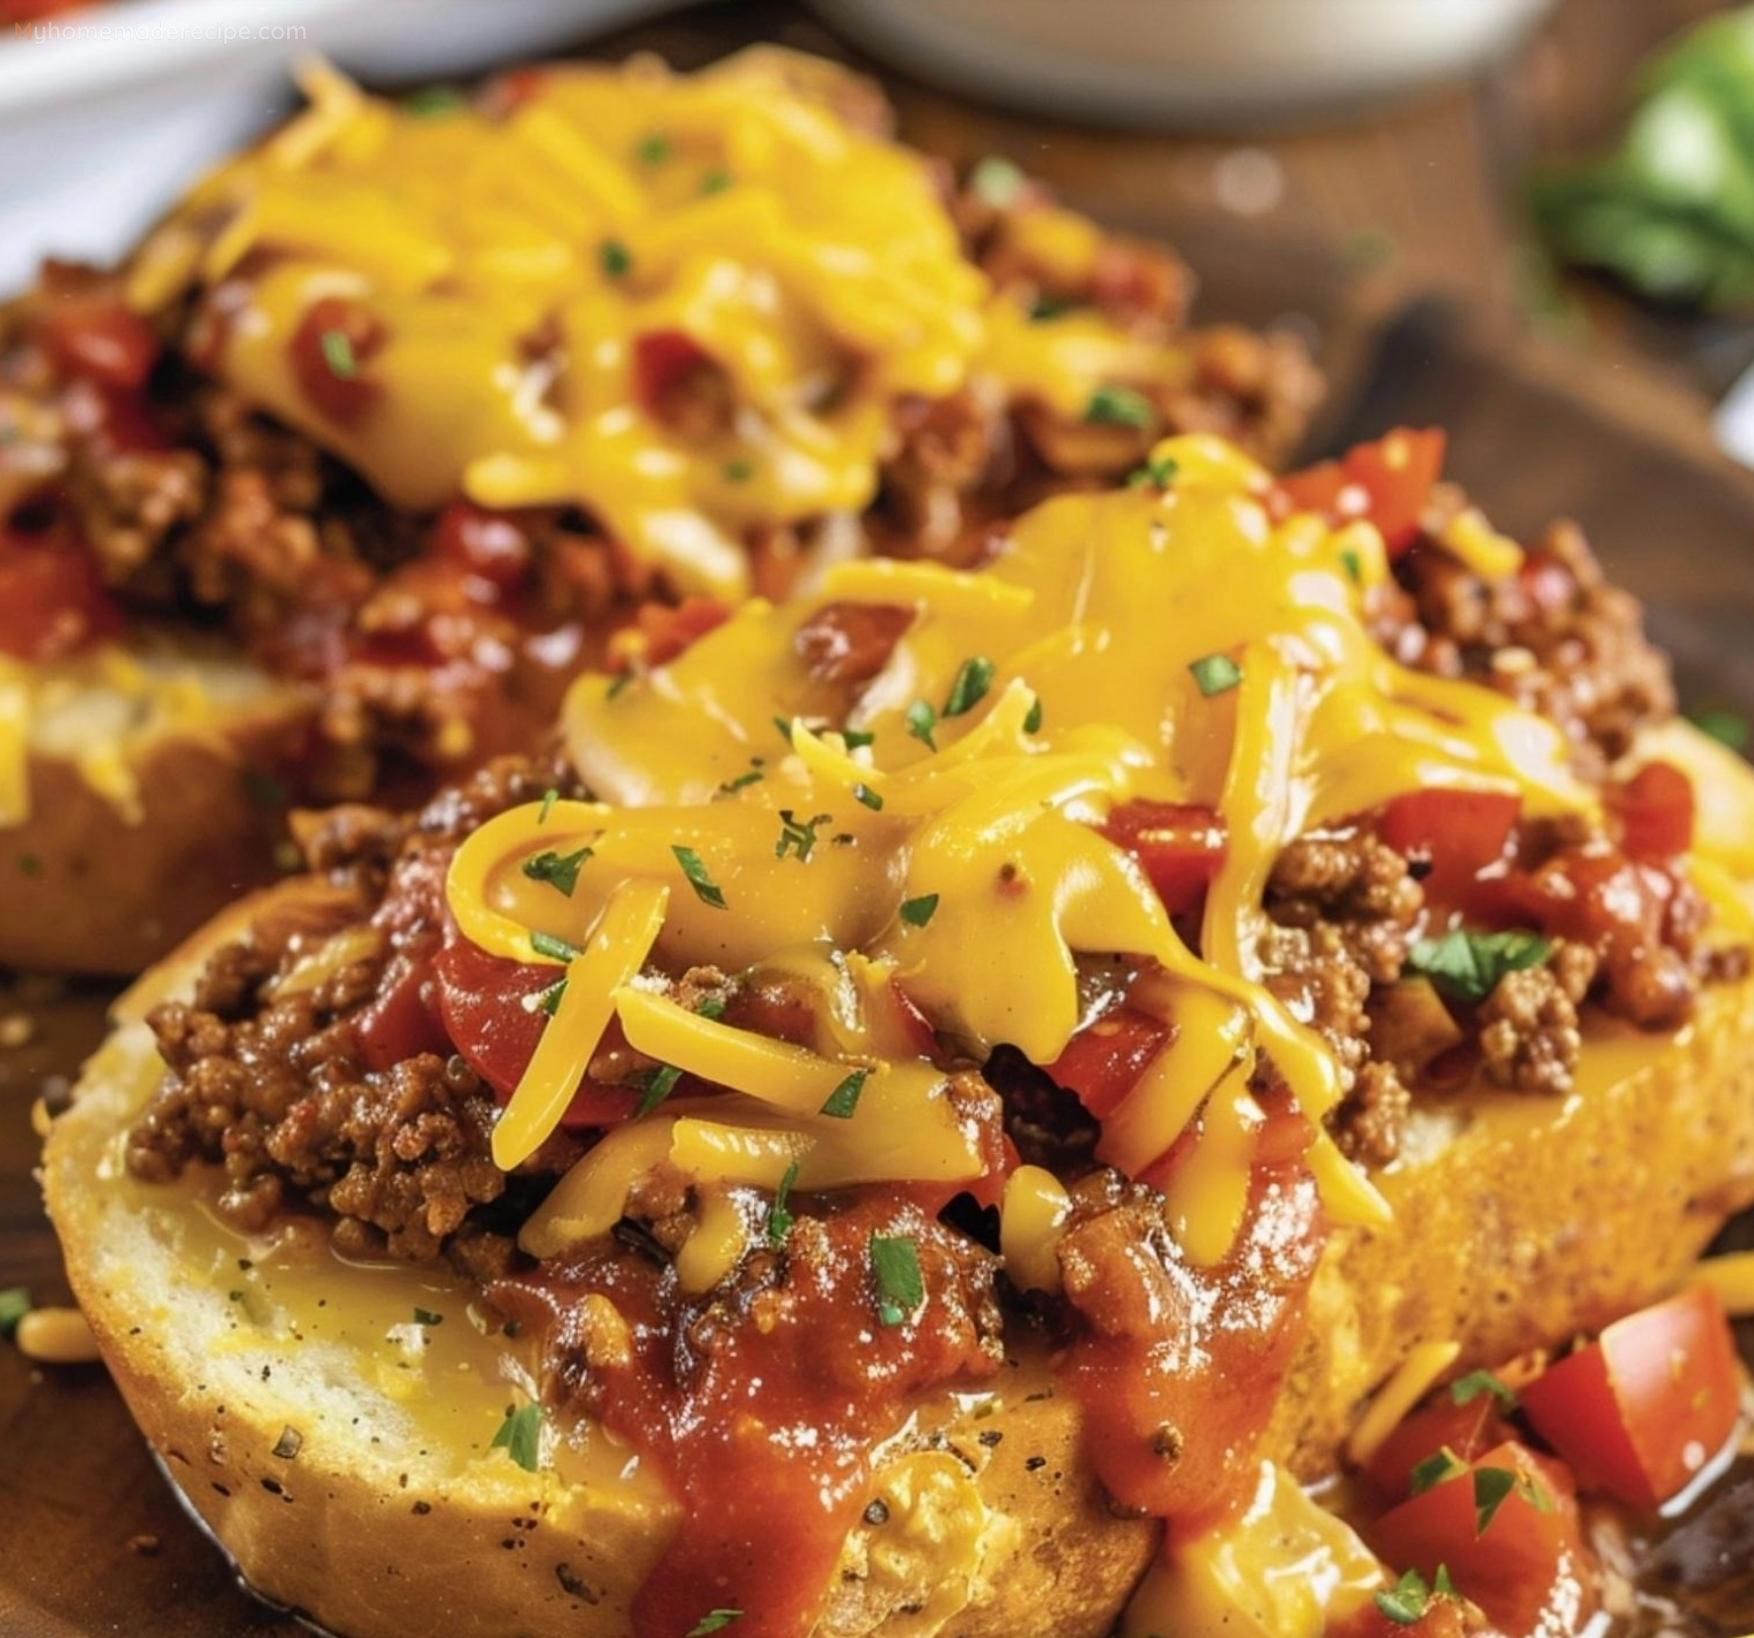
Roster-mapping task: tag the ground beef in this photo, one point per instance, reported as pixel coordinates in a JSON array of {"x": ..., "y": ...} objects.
[
  {"x": 1555, "y": 637},
  {"x": 1529, "y": 1037}
]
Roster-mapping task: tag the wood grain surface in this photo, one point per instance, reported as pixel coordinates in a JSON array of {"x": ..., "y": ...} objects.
[{"x": 95, "y": 1542}]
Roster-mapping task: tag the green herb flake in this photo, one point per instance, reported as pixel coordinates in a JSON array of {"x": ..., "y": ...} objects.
[
  {"x": 715, "y": 181},
  {"x": 917, "y": 912},
  {"x": 973, "y": 679},
  {"x": 548, "y": 1000},
  {"x": 660, "y": 1083},
  {"x": 426, "y": 1317},
  {"x": 654, "y": 148},
  {"x": 1354, "y": 566},
  {"x": 863, "y": 793},
  {"x": 433, "y": 101},
  {"x": 1468, "y": 965},
  {"x": 844, "y": 1099},
  {"x": 14, "y": 1305},
  {"x": 798, "y": 836},
  {"x": 618, "y": 685},
  {"x": 784, "y": 725},
  {"x": 921, "y": 720},
  {"x": 710, "y": 1006},
  {"x": 559, "y": 948},
  {"x": 751, "y": 776},
  {"x": 1492, "y": 1485},
  {"x": 779, "y": 1217},
  {"x": 738, "y": 471},
  {"x": 996, "y": 181},
  {"x": 559, "y": 870},
  {"x": 1726, "y": 727},
  {"x": 1405, "y": 1603},
  {"x": 1466, "y": 1389},
  {"x": 856, "y": 739},
  {"x": 1032, "y": 722},
  {"x": 337, "y": 348},
  {"x": 705, "y": 888},
  {"x": 1434, "y": 1470},
  {"x": 1216, "y": 674},
  {"x": 520, "y": 1437},
  {"x": 1441, "y": 1585},
  {"x": 714, "y": 1621},
  {"x": 1045, "y": 308},
  {"x": 895, "y": 1265},
  {"x": 30, "y": 865},
  {"x": 1119, "y": 407},
  {"x": 549, "y": 798},
  {"x": 1157, "y": 473},
  {"x": 615, "y": 258}
]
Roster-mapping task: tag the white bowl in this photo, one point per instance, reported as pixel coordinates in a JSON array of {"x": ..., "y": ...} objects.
[
  {"x": 108, "y": 114},
  {"x": 1205, "y": 62}
]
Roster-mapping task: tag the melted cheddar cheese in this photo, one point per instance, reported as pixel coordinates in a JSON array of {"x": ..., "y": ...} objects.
[
  {"x": 1075, "y": 660},
  {"x": 518, "y": 261}
]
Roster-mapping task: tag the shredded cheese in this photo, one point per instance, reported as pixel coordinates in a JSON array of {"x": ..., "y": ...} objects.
[
  {"x": 1414, "y": 1377},
  {"x": 1732, "y": 1278}
]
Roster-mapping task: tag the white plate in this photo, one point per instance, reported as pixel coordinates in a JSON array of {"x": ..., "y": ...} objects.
[{"x": 106, "y": 116}]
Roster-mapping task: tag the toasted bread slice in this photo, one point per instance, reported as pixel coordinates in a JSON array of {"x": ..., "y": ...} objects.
[{"x": 341, "y": 1453}]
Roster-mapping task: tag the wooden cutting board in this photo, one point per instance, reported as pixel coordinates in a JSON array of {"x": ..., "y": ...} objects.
[{"x": 96, "y": 1543}]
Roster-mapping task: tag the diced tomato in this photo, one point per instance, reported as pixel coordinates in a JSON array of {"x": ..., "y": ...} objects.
[
  {"x": 329, "y": 350},
  {"x": 1461, "y": 833},
  {"x": 664, "y": 362},
  {"x": 1180, "y": 846},
  {"x": 1103, "y": 1063},
  {"x": 1527, "y": 1569},
  {"x": 99, "y": 339},
  {"x": 1444, "y": 1617},
  {"x": 671, "y": 630},
  {"x": 1466, "y": 1430},
  {"x": 401, "y": 1020},
  {"x": 1655, "y": 809},
  {"x": 52, "y": 598},
  {"x": 481, "y": 999},
  {"x": 491, "y": 545},
  {"x": 1388, "y": 481},
  {"x": 1639, "y": 1412}
]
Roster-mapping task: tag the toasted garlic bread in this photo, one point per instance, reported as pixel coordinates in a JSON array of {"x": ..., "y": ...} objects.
[
  {"x": 342, "y": 1453},
  {"x": 139, "y": 792}
]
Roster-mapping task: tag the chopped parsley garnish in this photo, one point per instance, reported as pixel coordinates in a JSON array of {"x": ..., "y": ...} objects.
[
  {"x": 615, "y": 257},
  {"x": 895, "y": 1263},
  {"x": 1492, "y": 1485},
  {"x": 1158, "y": 472},
  {"x": 433, "y": 100},
  {"x": 548, "y": 1000},
  {"x": 714, "y": 1621},
  {"x": 1354, "y": 566},
  {"x": 1431, "y": 1472},
  {"x": 921, "y": 720},
  {"x": 1216, "y": 674},
  {"x": 660, "y": 1083},
  {"x": 750, "y": 776},
  {"x": 863, "y": 793},
  {"x": 844, "y": 1099},
  {"x": 559, "y": 948},
  {"x": 996, "y": 181},
  {"x": 738, "y": 471},
  {"x": 549, "y": 798},
  {"x": 1726, "y": 727},
  {"x": 520, "y": 1437},
  {"x": 618, "y": 685},
  {"x": 14, "y": 1305},
  {"x": 337, "y": 348},
  {"x": 710, "y": 1006},
  {"x": 1119, "y": 407},
  {"x": 1469, "y": 965},
  {"x": 426, "y": 1317},
  {"x": 705, "y": 888},
  {"x": 797, "y": 835},
  {"x": 1405, "y": 1602},
  {"x": 917, "y": 912},
  {"x": 715, "y": 181},
  {"x": 1032, "y": 722},
  {"x": 1466, "y": 1389},
  {"x": 1044, "y": 308},
  {"x": 856, "y": 739},
  {"x": 29, "y": 865},
  {"x": 785, "y": 727},
  {"x": 973, "y": 679},
  {"x": 559, "y": 870},
  {"x": 779, "y": 1217},
  {"x": 654, "y": 148}
]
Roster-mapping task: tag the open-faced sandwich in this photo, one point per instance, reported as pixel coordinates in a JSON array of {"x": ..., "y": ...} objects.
[
  {"x": 404, "y": 417},
  {"x": 957, "y": 1095}
]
